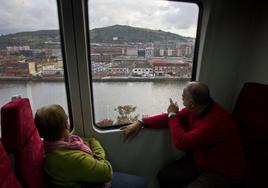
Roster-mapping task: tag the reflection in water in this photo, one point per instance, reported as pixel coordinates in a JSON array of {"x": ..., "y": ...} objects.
[{"x": 125, "y": 114}]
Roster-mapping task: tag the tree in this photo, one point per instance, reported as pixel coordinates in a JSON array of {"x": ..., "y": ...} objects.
[{"x": 125, "y": 114}]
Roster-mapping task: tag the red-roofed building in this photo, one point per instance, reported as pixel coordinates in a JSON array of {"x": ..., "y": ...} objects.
[{"x": 162, "y": 67}]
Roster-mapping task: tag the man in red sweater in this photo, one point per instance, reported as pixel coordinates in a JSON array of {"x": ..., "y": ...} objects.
[{"x": 209, "y": 136}]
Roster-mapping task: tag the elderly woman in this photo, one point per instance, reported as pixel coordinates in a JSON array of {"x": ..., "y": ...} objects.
[{"x": 71, "y": 162}]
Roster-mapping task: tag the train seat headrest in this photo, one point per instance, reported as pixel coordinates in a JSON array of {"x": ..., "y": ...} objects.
[
  {"x": 7, "y": 177},
  {"x": 20, "y": 137},
  {"x": 251, "y": 113}
]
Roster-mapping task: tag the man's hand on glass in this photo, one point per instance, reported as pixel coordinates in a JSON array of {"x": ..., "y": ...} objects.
[{"x": 131, "y": 130}]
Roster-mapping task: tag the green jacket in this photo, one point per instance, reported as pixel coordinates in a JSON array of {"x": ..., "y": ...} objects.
[{"x": 71, "y": 168}]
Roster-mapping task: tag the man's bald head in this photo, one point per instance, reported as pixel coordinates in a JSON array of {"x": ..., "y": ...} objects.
[{"x": 198, "y": 92}]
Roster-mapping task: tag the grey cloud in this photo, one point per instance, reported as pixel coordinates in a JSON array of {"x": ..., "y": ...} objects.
[
  {"x": 167, "y": 16},
  {"x": 27, "y": 15},
  {"x": 181, "y": 17},
  {"x": 30, "y": 15}
]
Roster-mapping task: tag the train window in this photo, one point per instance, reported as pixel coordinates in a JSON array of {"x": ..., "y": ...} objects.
[
  {"x": 141, "y": 54},
  {"x": 30, "y": 53}
]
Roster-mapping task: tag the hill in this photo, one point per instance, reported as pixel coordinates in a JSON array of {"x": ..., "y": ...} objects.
[
  {"x": 35, "y": 39},
  {"x": 123, "y": 34}
]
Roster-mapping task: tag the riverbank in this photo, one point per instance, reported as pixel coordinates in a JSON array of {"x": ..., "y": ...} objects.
[
  {"x": 139, "y": 79},
  {"x": 104, "y": 79},
  {"x": 54, "y": 79}
]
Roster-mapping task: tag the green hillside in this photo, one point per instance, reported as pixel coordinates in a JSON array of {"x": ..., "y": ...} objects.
[
  {"x": 131, "y": 34},
  {"x": 123, "y": 34},
  {"x": 35, "y": 39}
]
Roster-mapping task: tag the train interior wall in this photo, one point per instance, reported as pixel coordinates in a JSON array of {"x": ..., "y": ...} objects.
[
  {"x": 234, "y": 48},
  {"x": 232, "y": 51}
]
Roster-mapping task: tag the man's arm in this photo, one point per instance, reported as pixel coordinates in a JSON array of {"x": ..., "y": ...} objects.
[
  {"x": 205, "y": 133},
  {"x": 157, "y": 121}
]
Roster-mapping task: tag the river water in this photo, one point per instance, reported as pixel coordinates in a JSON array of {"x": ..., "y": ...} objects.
[{"x": 148, "y": 97}]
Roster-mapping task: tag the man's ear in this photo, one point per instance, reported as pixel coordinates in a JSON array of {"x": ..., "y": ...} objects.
[{"x": 192, "y": 104}]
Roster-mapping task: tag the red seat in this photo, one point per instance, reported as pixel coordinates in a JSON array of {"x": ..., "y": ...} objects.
[
  {"x": 7, "y": 177},
  {"x": 20, "y": 137},
  {"x": 251, "y": 113}
]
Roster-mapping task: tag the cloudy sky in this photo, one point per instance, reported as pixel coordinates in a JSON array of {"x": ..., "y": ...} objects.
[{"x": 31, "y": 15}]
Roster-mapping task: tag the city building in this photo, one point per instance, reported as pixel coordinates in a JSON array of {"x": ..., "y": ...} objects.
[
  {"x": 116, "y": 70},
  {"x": 170, "y": 67},
  {"x": 142, "y": 69},
  {"x": 18, "y": 69}
]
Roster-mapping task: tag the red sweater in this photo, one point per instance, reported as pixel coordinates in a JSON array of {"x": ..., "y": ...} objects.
[{"x": 213, "y": 139}]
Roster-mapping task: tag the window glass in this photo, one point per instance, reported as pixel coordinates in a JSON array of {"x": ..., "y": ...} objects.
[
  {"x": 30, "y": 53},
  {"x": 138, "y": 36}
]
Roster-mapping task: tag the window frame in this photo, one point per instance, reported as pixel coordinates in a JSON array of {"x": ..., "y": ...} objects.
[{"x": 74, "y": 30}]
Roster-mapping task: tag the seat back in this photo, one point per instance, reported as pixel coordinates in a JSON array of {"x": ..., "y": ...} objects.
[
  {"x": 7, "y": 177},
  {"x": 251, "y": 113},
  {"x": 20, "y": 137}
]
